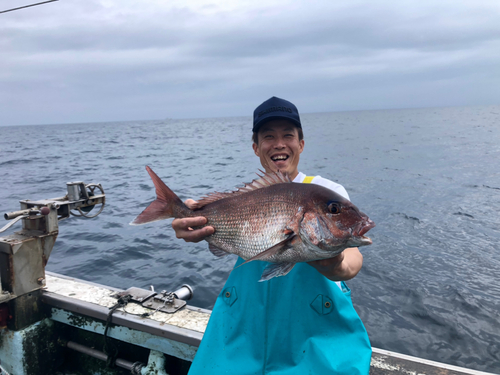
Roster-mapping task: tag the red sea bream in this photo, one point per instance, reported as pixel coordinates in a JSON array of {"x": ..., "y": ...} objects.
[{"x": 270, "y": 219}]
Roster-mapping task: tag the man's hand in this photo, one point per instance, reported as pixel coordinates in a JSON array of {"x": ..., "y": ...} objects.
[
  {"x": 184, "y": 227},
  {"x": 343, "y": 267}
]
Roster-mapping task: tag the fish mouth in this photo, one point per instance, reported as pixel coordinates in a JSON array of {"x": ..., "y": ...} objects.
[
  {"x": 361, "y": 229},
  {"x": 359, "y": 241},
  {"x": 365, "y": 241}
]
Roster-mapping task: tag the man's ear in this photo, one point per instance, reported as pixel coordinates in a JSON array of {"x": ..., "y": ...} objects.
[
  {"x": 256, "y": 149},
  {"x": 301, "y": 145}
]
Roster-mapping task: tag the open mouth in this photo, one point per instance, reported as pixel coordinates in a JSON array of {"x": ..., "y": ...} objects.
[
  {"x": 280, "y": 157},
  {"x": 365, "y": 241},
  {"x": 365, "y": 227},
  {"x": 362, "y": 229}
]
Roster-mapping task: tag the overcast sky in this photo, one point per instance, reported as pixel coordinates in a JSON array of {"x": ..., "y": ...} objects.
[{"x": 105, "y": 60}]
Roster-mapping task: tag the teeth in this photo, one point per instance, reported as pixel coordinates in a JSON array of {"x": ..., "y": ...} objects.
[{"x": 279, "y": 157}]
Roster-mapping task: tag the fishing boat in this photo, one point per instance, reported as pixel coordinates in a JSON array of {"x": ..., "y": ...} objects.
[{"x": 54, "y": 324}]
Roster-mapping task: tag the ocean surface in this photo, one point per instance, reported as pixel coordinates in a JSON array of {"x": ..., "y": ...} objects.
[{"x": 429, "y": 178}]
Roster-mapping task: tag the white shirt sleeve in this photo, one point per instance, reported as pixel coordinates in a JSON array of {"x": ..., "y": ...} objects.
[
  {"x": 339, "y": 189},
  {"x": 318, "y": 180}
]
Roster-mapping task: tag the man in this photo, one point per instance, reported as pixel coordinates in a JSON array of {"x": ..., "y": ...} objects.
[{"x": 302, "y": 323}]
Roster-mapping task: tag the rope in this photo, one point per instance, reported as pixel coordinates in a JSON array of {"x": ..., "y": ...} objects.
[{"x": 109, "y": 348}]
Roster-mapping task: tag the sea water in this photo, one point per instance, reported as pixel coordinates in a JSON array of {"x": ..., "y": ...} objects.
[{"x": 429, "y": 178}]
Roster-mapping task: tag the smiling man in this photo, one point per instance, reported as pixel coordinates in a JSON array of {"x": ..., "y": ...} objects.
[
  {"x": 278, "y": 145},
  {"x": 302, "y": 323}
]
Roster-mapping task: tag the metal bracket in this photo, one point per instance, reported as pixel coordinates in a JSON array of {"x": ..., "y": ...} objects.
[
  {"x": 164, "y": 301},
  {"x": 136, "y": 294}
]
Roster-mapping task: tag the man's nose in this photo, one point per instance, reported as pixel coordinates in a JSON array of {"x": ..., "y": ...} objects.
[{"x": 279, "y": 143}]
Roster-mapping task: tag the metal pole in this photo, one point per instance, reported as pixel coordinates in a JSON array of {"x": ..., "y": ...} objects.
[
  {"x": 127, "y": 365},
  {"x": 27, "y": 6}
]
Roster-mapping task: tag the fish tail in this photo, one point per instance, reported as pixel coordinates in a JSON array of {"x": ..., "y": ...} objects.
[{"x": 166, "y": 205}]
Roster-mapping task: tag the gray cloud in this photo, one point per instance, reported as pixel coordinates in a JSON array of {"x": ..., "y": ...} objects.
[{"x": 78, "y": 61}]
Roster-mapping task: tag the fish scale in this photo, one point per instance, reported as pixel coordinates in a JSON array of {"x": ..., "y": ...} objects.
[
  {"x": 247, "y": 230},
  {"x": 270, "y": 219}
]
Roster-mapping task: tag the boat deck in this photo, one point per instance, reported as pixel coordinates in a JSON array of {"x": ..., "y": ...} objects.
[{"x": 180, "y": 334}]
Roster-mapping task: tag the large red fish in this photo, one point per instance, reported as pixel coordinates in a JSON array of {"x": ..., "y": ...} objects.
[{"x": 270, "y": 219}]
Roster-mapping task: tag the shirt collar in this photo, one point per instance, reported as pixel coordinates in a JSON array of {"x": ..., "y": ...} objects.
[{"x": 299, "y": 178}]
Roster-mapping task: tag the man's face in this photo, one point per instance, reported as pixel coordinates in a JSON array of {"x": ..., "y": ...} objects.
[{"x": 279, "y": 147}]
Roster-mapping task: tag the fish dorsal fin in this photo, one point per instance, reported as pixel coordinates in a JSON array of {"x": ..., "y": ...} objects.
[{"x": 264, "y": 180}]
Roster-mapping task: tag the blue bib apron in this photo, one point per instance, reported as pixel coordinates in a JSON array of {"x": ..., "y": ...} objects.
[{"x": 301, "y": 323}]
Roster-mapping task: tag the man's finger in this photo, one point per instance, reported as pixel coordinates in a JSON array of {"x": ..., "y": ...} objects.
[
  {"x": 197, "y": 235},
  {"x": 187, "y": 222},
  {"x": 184, "y": 229},
  {"x": 190, "y": 203}
]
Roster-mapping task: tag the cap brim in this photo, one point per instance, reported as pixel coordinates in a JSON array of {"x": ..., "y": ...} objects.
[{"x": 262, "y": 121}]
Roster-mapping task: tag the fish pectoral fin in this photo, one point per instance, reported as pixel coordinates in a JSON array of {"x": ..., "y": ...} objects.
[
  {"x": 218, "y": 252},
  {"x": 266, "y": 254},
  {"x": 275, "y": 270}
]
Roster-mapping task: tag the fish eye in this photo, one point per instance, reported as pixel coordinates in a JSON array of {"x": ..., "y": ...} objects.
[{"x": 334, "y": 208}]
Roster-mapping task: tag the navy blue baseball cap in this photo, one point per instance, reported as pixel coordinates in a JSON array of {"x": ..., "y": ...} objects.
[{"x": 275, "y": 109}]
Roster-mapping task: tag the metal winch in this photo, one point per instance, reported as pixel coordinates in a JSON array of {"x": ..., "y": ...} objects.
[{"x": 24, "y": 254}]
